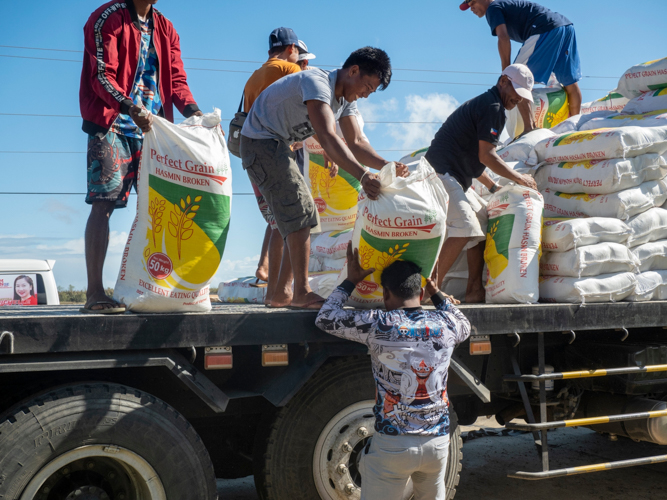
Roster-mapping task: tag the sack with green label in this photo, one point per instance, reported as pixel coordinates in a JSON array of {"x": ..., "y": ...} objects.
[
  {"x": 647, "y": 102},
  {"x": 334, "y": 197},
  {"x": 406, "y": 222},
  {"x": 549, "y": 108},
  {"x": 183, "y": 210},
  {"x": 513, "y": 248},
  {"x": 611, "y": 102},
  {"x": 651, "y": 75}
]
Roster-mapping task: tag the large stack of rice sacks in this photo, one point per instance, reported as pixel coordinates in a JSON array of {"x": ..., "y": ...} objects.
[{"x": 603, "y": 179}]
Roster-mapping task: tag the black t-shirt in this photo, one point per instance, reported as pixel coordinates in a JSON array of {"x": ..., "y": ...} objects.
[
  {"x": 455, "y": 148},
  {"x": 523, "y": 19}
]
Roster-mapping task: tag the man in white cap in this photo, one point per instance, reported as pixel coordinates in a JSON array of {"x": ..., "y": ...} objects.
[
  {"x": 304, "y": 55},
  {"x": 462, "y": 149}
]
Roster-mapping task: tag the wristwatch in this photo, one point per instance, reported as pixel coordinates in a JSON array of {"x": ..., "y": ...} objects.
[{"x": 494, "y": 188}]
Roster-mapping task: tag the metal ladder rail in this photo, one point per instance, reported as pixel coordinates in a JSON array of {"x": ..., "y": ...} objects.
[{"x": 543, "y": 426}]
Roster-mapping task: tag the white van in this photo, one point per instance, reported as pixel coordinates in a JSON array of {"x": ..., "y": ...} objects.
[{"x": 27, "y": 282}]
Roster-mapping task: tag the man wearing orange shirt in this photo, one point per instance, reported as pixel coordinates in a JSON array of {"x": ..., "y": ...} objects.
[{"x": 284, "y": 51}]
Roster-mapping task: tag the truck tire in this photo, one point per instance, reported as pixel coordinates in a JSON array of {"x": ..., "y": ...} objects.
[
  {"x": 105, "y": 441},
  {"x": 314, "y": 443}
]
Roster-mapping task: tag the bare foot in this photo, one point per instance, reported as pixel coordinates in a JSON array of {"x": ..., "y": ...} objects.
[
  {"x": 476, "y": 297},
  {"x": 280, "y": 299},
  {"x": 309, "y": 301},
  {"x": 262, "y": 273},
  {"x": 99, "y": 301}
]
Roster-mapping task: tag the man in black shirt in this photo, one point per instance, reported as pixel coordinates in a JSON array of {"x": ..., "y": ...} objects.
[
  {"x": 549, "y": 44},
  {"x": 461, "y": 150}
]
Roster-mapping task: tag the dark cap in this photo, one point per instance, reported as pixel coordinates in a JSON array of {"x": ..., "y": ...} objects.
[
  {"x": 282, "y": 37},
  {"x": 464, "y": 5}
]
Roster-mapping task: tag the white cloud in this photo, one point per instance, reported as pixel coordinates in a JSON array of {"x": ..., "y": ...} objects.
[
  {"x": 33, "y": 247},
  {"x": 232, "y": 269},
  {"x": 375, "y": 111},
  {"x": 428, "y": 108}
]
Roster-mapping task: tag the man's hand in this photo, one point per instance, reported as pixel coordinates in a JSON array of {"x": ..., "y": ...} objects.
[
  {"x": 402, "y": 169},
  {"x": 528, "y": 181},
  {"x": 197, "y": 113},
  {"x": 296, "y": 146},
  {"x": 355, "y": 273},
  {"x": 371, "y": 185},
  {"x": 328, "y": 163},
  {"x": 143, "y": 122},
  {"x": 431, "y": 289}
]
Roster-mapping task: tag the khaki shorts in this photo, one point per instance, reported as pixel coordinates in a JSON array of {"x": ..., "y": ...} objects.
[
  {"x": 271, "y": 167},
  {"x": 466, "y": 214}
]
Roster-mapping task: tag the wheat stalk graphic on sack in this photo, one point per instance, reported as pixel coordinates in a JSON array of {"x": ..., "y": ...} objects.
[
  {"x": 181, "y": 220},
  {"x": 327, "y": 182},
  {"x": 155, "y": 213},
  {"x": 365, "y": 255},
  {"x": 391, "y": 255}
]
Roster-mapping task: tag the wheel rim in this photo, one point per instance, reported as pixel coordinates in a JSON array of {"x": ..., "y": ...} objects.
[
  {"x": 96, "y": 472},
  {"x": 339, "y": 449}
]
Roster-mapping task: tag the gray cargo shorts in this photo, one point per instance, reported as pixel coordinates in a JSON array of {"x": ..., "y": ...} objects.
[{"x": 272, "y": 167}]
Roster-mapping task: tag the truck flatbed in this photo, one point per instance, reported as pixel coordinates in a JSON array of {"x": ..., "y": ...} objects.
[{"x": 42, "y": 329}]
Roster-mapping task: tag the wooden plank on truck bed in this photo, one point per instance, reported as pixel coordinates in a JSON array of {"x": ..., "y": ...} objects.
[{"x": 40, "y": 329}]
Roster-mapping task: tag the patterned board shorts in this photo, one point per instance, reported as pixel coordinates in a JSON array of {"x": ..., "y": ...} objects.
[
  {"x": 264, "y": 207},
  {"x": 113, "y": 162}
]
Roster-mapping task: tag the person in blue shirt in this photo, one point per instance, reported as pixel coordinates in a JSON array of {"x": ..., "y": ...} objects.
[{"x": 549, "y": 45}]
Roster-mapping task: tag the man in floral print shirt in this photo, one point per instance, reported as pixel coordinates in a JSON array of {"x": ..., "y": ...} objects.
[{"x": 410, "y": 350}]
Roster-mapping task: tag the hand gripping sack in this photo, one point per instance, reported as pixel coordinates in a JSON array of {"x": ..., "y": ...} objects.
[
  {"x": 621, "y": 205},
  {"x": 602, "y": 176},
  {"x": 183, "y": 211},
  {"x": 406, "y": 222},
  {"x": 622, "y": 142},
  {"x": 562, "y": 235},
  {"x": 513, "y": 249},
  {"x": 649, "y": 119},
  {"x": 335, "y": 197},
  {"x": 641, "y": 78}
]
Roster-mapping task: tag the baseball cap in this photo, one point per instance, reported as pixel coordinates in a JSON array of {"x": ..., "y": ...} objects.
[
  {"x": 305, "y": 55},
  {"x": 282, "y": 37},
  {"x": 522, "y": 80},
  {"x": 464, "y": 5}
]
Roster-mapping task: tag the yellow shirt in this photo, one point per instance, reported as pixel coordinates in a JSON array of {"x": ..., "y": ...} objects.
[{"x": 271, "y": 71}]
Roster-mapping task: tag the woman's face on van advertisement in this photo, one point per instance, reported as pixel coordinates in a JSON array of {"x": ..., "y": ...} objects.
[{"x": 23, "y": 289}]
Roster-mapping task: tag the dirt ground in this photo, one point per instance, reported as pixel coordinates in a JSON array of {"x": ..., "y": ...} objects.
[{"x": 488, "y": 459}]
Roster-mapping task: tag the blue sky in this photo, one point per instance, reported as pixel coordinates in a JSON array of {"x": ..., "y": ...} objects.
[{"x": 428, "y": 35}]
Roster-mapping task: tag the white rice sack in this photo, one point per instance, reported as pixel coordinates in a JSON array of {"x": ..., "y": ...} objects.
[
  {"x": 329, "y": 264},
  {"x": 183, "y": 210},
  {"x": 549, "y": 108},
  {"x": 590, "y": 260},
  {"x": 622, "y": 142},
  {"x": 332, "y": 244},
  {"x": 601, "y": 176},
  {"x": 654, "y": 100},
  {"x": 621, "y": 205},
  {"x": 513, "y": 247},
  {"x": 611, "y": 102},
  {"x": 559, "y": 235},
  {"x": 651, "y": 75},
  {"x": 648, "y": 226},
  {"x": 406, "y": 222},
  {"x": 239, "y": 291},
  {"x": 414, "y": 156},
  {"x": 603, "y": 288},
  {"x": 652, "y": 256},
  {"x": 456, "y": 287},
  {"x": 649, "y": 119},
  {"x": 315, "y": 264},
  {"x": 519, "y": 150},
  {"x": 651, "y": 285},
  {"x": 323, "y": 283}
]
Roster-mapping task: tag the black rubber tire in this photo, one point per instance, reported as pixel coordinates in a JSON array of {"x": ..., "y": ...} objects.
[
  {"x": 455, "y": 458},
  {"x": 284, "y": 471},
  {"x": 38, "y": 430}
]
